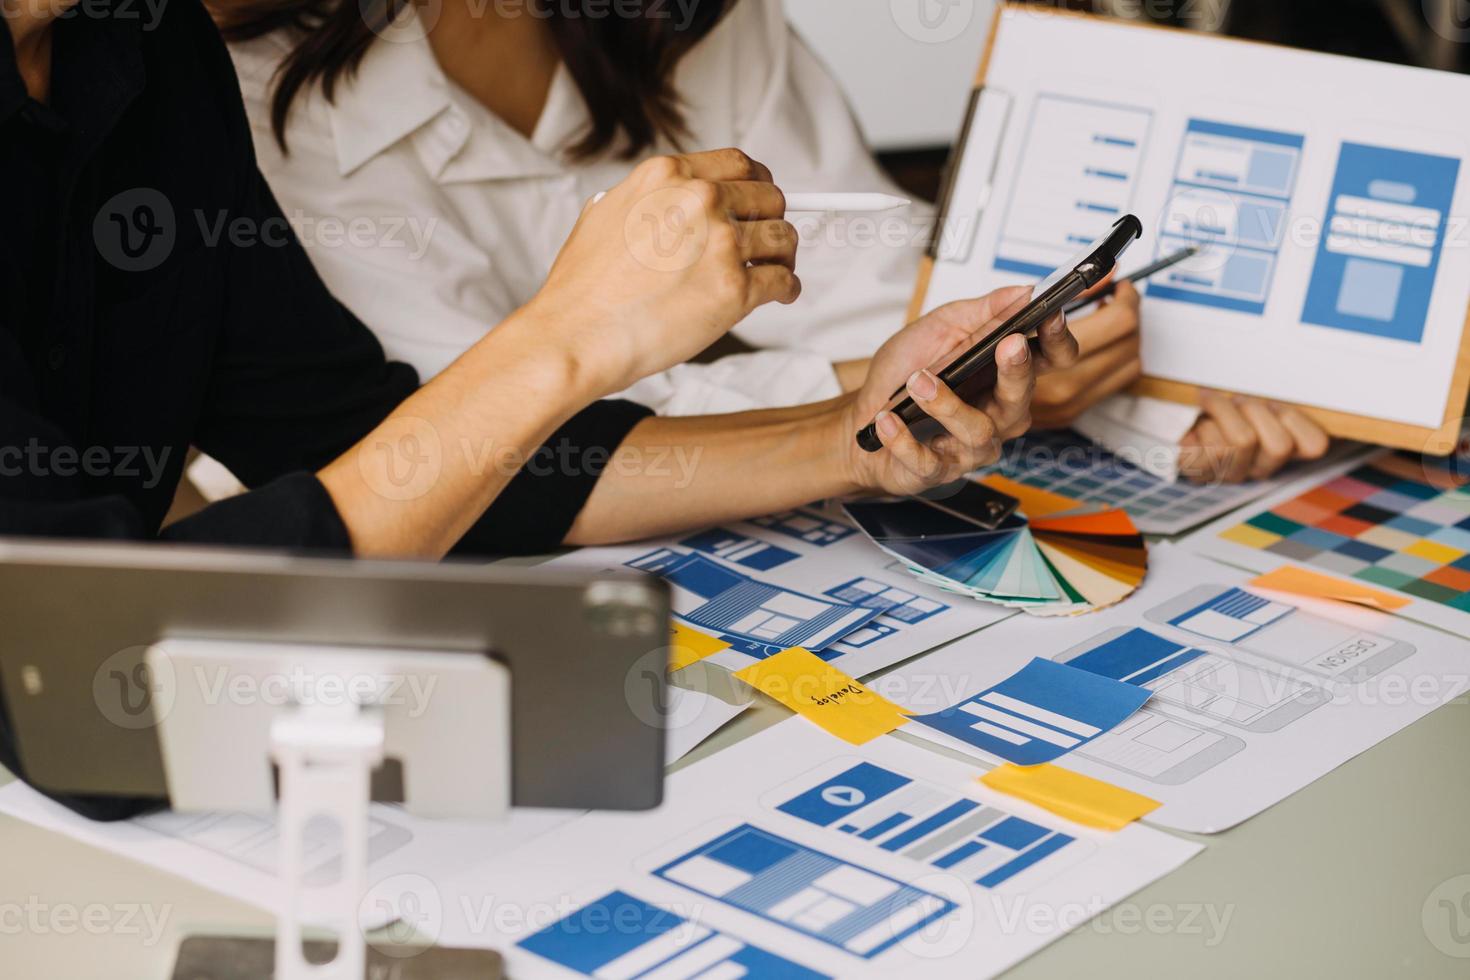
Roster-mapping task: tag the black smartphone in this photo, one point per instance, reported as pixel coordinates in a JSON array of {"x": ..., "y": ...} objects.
[{"x": 971, "y": 373}]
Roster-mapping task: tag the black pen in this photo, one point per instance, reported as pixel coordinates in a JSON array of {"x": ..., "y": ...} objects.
[{"x": 1139, "y": 276}]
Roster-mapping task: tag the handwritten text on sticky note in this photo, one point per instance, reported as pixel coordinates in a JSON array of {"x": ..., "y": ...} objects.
[{"x": 824, "y": 695}]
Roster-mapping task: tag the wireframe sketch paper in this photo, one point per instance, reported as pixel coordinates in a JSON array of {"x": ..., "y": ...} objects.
[
  {"x": 1039, "y": 713},
  {"x": 794, "y": 855},
  {"x": 1322, "y": 191},
  {"x": 1255, "y": 694},
  {"x": 794, "y": 579}
]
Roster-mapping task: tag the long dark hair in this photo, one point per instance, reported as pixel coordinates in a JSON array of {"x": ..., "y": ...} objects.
[{"x": 623, "y": 65}]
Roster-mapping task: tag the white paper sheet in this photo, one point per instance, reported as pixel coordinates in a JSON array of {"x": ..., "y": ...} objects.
[
  {"x": 694, "y": 716},
  {"x": 1278, "y": 698},
  {"x": 1144, "y": 429},
  {"x": 1325, "y": 188},
  {"x": 794, "y": 909},
  {"x": 235, "y": 854}
]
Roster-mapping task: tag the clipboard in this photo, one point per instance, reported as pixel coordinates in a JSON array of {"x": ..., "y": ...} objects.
[{"x": 991, "y": 110}]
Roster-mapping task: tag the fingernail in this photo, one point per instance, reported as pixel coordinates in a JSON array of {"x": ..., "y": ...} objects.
[
  {"x": 887, "y": 425},
  {"x": 923, "y": 386},
  {"x": 1018, "y": 354}
]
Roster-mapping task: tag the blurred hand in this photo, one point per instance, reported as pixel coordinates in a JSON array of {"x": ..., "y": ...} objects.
[
  {"x": 1109, "y": 362},
  {"x": 667, "y": 262},
  {"x": 1241, "y": 438},
  {"x": 972, "y": 434}
]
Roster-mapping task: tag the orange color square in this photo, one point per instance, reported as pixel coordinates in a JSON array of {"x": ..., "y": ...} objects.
[
  {"x": 1451, "y": 578},
  {"x": 1302, "y": 512},
  {"x": 1326, "y": 500},
  {"x": 1348, "y": 527}
]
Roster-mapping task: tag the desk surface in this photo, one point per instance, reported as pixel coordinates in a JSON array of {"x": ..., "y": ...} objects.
[{"x": 1342, "y": 879}]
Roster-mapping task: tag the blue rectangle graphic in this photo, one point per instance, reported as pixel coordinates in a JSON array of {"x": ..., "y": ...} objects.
[
  {"x": 619, "y": 935},
  {"x": 839, "y": 796},
  {"x": 1014, "y": 867},
  {"x": 1380, "y": 250},
  {"x": 861, "y": 912},
  {"x": 1039, "y": 713}
]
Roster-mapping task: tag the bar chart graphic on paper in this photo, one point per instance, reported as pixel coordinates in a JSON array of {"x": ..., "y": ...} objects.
[
  {"x": 620, "y": 937},
  {"x": 1377, "y": 260},
  {"x": 1232, "y": 190},
  {"x": 936, "y": 829},
  {"x": 792, "y": 885},
  {"x": 1077, "y": 176}
]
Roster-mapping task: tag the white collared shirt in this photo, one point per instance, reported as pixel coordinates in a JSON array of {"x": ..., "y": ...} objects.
[{"x": 433, "y": 220}]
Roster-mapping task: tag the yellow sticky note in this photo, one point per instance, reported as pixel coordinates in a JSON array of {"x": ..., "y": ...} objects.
[
  {"x": 689, "y": 646},
  {"x": 1299, "y": 581},
  {"x": 1082, "y": 799},
  {"x": 824, "y": 695}
]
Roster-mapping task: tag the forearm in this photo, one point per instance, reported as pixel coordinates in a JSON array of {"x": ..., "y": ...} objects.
[
  {"x": 421, "y": 479},
  {"x": 672, "y": 474}
]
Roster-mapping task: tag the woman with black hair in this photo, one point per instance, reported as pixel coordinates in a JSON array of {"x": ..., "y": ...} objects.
[{"x": 484, "y": 125}]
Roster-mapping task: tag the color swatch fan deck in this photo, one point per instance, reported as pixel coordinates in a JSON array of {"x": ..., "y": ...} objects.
[{"x": 1054, "y": 557}]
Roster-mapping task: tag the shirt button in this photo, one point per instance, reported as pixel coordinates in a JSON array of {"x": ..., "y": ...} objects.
[{"x": 56, "y": 357}]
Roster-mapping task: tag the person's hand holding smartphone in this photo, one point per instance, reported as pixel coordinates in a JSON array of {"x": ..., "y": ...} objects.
[
  {"x": 971, "y": 434},
  {"x": 971, "y": 372}
]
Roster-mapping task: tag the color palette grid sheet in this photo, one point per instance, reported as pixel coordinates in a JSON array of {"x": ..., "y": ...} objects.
[
  {"x": 823, "y": 897},
  {"x": 1397, "y": 521},
  {"x": 1068, "y": 463},
  {"x": 930, "y": 826},
  {"x": 620, "y": 937}
]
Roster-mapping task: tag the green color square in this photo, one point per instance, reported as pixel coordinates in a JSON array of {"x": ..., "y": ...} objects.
[
  {"x": 1383, "y": 576},
  {"x": 1275, "y": 524},
  {"x": 1462, "y": 601},
  {"x": 1433, "y": 592}
]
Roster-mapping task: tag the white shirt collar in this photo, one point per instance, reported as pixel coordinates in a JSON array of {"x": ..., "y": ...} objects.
[
  {"x": 396, "y": 89},
  {"x": 399, "y": 89}
]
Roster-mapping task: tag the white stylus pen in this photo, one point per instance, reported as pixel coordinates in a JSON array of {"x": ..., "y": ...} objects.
[{"x": 820, "y": 203}]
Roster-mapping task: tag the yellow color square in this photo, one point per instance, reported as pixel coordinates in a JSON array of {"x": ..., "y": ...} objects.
[
  {"x": 1250, "y": 536},
  {"x": 1440, "y": 554}
]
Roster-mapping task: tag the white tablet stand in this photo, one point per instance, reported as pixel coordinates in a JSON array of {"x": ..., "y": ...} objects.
[{"x": 320, "y": 720}]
